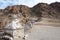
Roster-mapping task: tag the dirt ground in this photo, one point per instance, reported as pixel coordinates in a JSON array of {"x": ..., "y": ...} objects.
[{"x": 45, "y": 31}]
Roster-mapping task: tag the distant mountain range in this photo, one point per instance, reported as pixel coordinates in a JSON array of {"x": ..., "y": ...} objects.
[{"x": 40, "y": 10}]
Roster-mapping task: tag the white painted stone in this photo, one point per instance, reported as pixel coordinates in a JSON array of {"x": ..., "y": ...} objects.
[{"x": 16, "y": 29}]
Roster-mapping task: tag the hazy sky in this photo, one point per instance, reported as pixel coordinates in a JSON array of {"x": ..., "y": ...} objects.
[{"x": 30, "y": 3}]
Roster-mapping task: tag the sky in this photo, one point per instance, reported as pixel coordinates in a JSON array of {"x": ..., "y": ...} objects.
[{"x": 30, "y": 3}]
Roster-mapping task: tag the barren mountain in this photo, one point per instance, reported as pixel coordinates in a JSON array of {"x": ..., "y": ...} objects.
[{"x": 41, "y": 10}]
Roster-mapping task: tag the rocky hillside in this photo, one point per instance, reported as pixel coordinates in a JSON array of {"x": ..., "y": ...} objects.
[
  {"x": 47, "y": 10},
  {"x": 56, "y": 7},
  {"x": 41, "y": 10}
]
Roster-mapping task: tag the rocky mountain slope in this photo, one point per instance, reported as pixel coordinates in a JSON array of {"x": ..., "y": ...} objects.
[
  {"x": 41, "y": 10},
  {"x": 47, "y": 10}
]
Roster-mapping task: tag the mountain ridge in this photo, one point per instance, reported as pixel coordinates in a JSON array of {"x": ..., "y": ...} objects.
[{"x": 41, "y": 10}]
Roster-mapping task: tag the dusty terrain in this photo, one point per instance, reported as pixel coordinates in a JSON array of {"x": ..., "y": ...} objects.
[{"x": 45, "y": 31}]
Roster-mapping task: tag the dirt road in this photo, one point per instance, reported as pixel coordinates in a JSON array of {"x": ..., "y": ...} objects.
[{"x": 43, "y": 32}]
